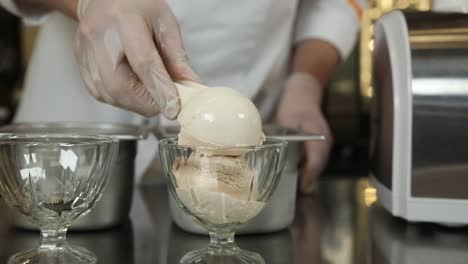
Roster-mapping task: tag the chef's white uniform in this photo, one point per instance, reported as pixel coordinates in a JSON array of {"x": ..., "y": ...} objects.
[{"x": 243, "y": 43}]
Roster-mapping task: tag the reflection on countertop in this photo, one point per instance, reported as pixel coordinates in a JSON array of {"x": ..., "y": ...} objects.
[
  {"x": 113, "y": 246},
  {"x": 340, "y": 224},
  {"x": 395, "y": 241},
  {"x": 275, "y": 248}
]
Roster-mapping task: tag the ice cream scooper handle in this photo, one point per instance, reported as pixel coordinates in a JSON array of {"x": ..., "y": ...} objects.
[
  {"x": 300, "y": 137},
  {"x": 187, "y": 89}
]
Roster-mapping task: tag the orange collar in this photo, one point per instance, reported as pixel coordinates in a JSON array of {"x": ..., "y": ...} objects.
[{"x": 356, "y": 6}]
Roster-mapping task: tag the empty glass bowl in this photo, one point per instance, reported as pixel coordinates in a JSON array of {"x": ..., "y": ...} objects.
[
  {"x": 222, "y": 188},
  {"x": 52, "y": 179}
]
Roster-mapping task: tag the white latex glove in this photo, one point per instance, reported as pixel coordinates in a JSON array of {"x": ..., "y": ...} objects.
[
  {"x": 300, "y": 109},
  {"x": 129, "y": 51}
]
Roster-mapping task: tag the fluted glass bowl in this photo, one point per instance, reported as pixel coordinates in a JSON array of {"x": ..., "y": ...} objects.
[
  {"x": 52, "y": 179},
  {"x": 222, "y": 189}
]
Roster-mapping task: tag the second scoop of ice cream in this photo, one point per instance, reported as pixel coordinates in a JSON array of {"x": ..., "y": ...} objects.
[
  {"x": 230, "y": 175},
  {"x": 218, "y": 189}
]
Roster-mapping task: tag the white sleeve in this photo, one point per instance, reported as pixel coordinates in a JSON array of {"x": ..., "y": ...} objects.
[
  {"x": 32, "y": 17},
  {"x": 450, "y": 6},
  {"x": 334, "y": 21}
]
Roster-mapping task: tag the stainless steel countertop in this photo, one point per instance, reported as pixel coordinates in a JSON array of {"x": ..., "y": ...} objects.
[{"x": 339, "y": 224}]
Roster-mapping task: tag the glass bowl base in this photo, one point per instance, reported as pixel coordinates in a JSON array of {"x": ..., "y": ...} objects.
[
  {"x": 62, "y": 255},
  {"x": 204, "y": 256}
]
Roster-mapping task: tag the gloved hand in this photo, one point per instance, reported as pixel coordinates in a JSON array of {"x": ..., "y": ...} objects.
[
  {"x": 300, "y": 109},
  {"x": 129, "y": 51}
]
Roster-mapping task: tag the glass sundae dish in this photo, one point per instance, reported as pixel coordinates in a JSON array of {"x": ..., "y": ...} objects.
[
  {"x": 52, "y": 179},
  {"x": 222, "y": 188}
]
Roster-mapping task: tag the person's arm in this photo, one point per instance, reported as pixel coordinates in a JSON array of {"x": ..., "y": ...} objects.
[
  {"x": 335, "y": 22},
  {"x": 320, "y": 64},
  {"x": 326, "y": 32}
]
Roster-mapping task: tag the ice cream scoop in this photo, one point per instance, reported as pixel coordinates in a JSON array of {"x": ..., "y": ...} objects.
[{"x": 217, "y": 116}]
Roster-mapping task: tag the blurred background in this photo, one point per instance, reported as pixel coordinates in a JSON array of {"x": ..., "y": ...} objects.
[{"x": 346, "y": 104}]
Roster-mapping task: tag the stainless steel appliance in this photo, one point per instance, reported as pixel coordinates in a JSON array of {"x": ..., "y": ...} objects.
[
  {"x": 114, "y": 207},
  {"x": 279, "y": 212},
  {"x": 419, "y": 112}
]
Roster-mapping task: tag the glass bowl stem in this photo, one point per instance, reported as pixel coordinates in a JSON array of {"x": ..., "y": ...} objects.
[
  {"x": 53, "y": 238},
  {"x": 222, "y": 244}
]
